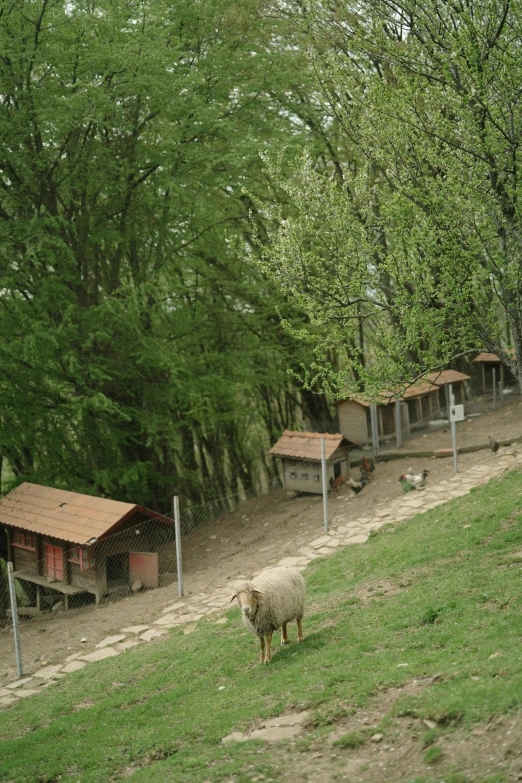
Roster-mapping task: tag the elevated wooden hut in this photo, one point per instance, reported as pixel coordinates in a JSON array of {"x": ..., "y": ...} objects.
[
  {"x": 488, "y": 362},
  {"x": 64, "y": 542},
  {"x": 442, "y": 378},
  {"x": 300, "y": 454}
]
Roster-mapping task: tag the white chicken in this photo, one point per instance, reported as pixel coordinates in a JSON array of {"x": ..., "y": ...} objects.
[{"x": 415, "y": 480}]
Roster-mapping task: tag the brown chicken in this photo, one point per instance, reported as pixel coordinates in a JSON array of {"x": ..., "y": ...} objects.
[
  {"x": 367, "y": 469},
  {"x": 493, "y": 445}
]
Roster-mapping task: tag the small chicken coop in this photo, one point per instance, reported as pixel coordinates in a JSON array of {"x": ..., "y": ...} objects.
[
  {"x": 300, "y": 454},
  {"x": 422, "y": 401},
  {"x": 354, "y": 418},
  {"x": 65, "y": 543},
  {"x": 489, "y": 362},
  {"x": 442, "y": 378}
]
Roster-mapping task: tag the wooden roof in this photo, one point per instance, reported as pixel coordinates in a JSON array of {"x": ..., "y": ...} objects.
[
  {"x": 58, "y": 513},
  {"x": 440, "y": 377},
  {"x": 492, "y": 357},
  {"x": 389, "y": 397},
  {"x": 419, "y": 390},
  {"x": 307, "y": 445}
]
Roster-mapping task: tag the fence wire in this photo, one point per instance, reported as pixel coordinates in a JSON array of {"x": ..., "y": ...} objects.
[{"x": 65, "y": 579}]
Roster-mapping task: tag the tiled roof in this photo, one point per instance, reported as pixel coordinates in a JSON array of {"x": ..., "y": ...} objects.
[
  {"x": 62, "y": 514},
  {"x": 389, "y": 397},
  {"x": 419, "y": 390},
  {"x": 447, "y": 376},
  {"x": 307, "y": 445},
  {"x": 492, "y": 357}
]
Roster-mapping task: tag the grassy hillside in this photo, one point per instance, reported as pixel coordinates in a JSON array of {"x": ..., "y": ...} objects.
[{"x": 440, "y": 593}]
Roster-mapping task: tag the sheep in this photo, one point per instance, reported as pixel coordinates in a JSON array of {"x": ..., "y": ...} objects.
[{"x": 271, "y": 601}]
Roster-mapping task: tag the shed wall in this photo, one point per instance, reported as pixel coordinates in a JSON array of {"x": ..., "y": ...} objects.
[
  {"x": 301, "y": 476},
  {"x": 352, "y": 421}
]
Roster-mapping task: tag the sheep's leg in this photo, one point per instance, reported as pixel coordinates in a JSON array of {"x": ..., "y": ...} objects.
[
  {"x": 284, "y": 634},
  {"x": 300, "y": 635},
  {"x": 268, "y": 657},
  {"x": 261, "y": 650}
]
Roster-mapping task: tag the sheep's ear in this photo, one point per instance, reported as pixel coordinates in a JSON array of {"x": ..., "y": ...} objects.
[
  {"x": 233, "y": 598},
  {"x": 257, "y": 592}
]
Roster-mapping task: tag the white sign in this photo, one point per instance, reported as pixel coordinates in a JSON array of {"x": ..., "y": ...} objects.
[{"x": 457, "y": 413}]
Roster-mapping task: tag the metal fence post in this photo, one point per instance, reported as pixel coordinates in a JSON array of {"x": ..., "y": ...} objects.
[
  {"x": 177, "y": 527},
  {"x": 453, "y": 431},
  {"x": 494, "y": 389},
  {"x": 325, "y": 485},
  {"x": 374, "y": 420},
  {"x": 448, "y": 401},
  {"x": 14, "y": 613},
  {"x": 398, "y": 424}
]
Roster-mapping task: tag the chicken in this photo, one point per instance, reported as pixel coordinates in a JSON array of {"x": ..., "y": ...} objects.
[
  {"x": 336, "y": 484},
  {"x": 367, "y": 468},
  {"x": 493, "y": 445},
  {"x": 357, "y": 486},
  {"x": 415, "y": 480}
]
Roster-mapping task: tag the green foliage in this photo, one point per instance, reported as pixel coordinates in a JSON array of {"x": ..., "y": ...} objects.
[
  {"x": 408, "y": 252},
  {"x": 429, "y": 738},
  {"x": 350, "y": 741},
  {"x": 140, "y": 357},
  {"x": 149, "y": 708},
  {"x": 433, "y": 755}
]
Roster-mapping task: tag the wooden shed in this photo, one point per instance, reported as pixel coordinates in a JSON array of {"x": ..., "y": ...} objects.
[
  {"x": 458, "y": 381},
  {"x": 490, "y": 361},
  {"x": 354, "y": 418},
  {"x": 422, "y": 400},
  {"x": 65, "y": 542},
  {"x": 300, "y": 454}
]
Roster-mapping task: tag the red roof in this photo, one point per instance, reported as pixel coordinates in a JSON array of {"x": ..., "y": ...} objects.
[
  {"x": 307, "y": 445},
  {"x": 492, "y": 357},
  {"x": 440, "y": 377},
  {"x": 419, "y": 390},
  {"x": 58, "y": 513},
  {"x": 389, "y": 397}
]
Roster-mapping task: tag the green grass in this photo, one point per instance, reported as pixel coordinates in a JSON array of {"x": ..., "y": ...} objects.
[
  {"x": 161, "y": 709},
  {"x": 350, "y": 740}
]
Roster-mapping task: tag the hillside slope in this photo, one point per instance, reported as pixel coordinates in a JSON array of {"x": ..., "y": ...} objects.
[{"x": 421, "y": 623}]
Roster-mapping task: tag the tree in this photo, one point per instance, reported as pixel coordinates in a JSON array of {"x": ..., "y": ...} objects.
[
  {"x": 421, "y": 232},
  {"x": 141, "y": 357}
]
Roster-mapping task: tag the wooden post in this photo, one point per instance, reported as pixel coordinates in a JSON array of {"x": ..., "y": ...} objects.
[{"x": 38, "y": 598}]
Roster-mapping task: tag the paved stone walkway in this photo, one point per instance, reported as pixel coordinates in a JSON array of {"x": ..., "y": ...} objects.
[{"x": 343, "y": 531}]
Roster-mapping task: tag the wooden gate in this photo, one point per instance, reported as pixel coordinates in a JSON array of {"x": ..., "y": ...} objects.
[
  {"x": 54, "y": 561},
  {"x": 144, "y": 566}
]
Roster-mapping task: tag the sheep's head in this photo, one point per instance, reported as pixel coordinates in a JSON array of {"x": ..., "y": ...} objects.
[{"x": 247, "y": 596}]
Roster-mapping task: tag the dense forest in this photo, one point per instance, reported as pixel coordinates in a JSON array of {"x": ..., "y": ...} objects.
[{"x": 212, "y": 211}]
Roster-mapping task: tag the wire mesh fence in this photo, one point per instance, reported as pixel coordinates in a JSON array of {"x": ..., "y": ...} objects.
[
  {"x": 54, "y": 576},
  {"x": 430, "y": 413},
  {"x": 59, "y": 579}
]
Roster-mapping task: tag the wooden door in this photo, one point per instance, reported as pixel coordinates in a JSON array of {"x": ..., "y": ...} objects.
[
  {"x": 144, "y": 566},
  {"x": 54, "y": 561}
]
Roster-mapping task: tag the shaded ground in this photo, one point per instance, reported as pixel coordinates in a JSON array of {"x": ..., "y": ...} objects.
[{"x": 256, "y": 534}]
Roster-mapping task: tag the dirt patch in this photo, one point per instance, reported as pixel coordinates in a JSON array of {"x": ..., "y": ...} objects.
[
  {"x": 374, "y": 744},
  {"x": 255, "y": 535},
  {"x": 382, "y": 588}
]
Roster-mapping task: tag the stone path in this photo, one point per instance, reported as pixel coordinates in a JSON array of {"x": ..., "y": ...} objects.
[{"x": 343, "y": 531}]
